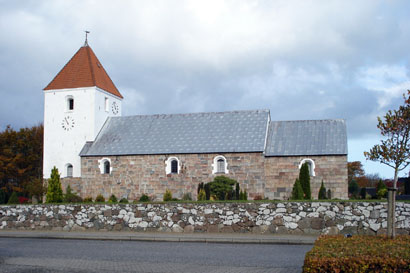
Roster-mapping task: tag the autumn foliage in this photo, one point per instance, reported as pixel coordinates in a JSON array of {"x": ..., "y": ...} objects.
[
  {"x": 359, "y": 253},
  {"x": 21, "y": 160}
]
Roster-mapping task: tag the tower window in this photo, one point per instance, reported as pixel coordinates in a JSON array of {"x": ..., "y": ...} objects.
[
  {"x": 70, "y": 103},
  {"x": 69, "y": 170},
  {"x": 106, "y": 104}
]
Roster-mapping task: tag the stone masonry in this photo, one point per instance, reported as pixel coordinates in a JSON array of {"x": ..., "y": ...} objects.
[
  {"x": 312, "y": 218},
  {"x": 270, "y": 177}
]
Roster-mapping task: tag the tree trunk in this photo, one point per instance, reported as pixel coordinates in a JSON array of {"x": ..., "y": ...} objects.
[{"x": 391, "y": 211}]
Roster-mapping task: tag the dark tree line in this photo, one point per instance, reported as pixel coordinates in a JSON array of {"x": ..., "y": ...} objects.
[{"x": 21, "y": 162}]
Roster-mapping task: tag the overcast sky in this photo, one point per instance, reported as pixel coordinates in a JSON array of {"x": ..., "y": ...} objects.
[{"x": 300, "y": 59}]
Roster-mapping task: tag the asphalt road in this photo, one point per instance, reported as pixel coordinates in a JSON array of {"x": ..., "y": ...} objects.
[{"x": 53, "y": 255}]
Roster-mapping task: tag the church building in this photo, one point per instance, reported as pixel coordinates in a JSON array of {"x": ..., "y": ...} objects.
[{"x": 99, "y": 151}]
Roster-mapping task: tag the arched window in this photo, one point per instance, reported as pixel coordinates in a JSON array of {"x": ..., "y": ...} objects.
[
  {"x": 311, "y": 165},
  {"x": 220, "y": 165},
  {"x": 105, "y": 166},
  {"x": 70, "y": 103},
  {"x": 172, "y": 165},
  {"x": 69, "y": 170}
]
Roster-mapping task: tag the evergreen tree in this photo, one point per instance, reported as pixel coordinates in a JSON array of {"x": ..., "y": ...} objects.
[
  {"x": 304, "y": 178},
  {"x": 167, "y": 195},
  {"x": 54, "y": 191},
  {"x": 381, "y": 190},
  {"x": 207, "y": 191},
  {"x": 237, "y": 191},
  {"x": 297, "y": 191},
  {"x": 13, "y": 198},
  {"x": 322, "y": 192}
]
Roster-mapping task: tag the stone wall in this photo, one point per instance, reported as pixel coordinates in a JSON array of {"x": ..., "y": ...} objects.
[
  {"x": 270, "y": 177},
  {"x": 276, "y": 218}
]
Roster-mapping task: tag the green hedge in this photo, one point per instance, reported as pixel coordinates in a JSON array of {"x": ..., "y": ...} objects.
[{"x": 359, "y": 253}]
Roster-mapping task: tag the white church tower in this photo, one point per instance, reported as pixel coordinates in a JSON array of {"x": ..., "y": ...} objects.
[{"x": 77, "y": 102}]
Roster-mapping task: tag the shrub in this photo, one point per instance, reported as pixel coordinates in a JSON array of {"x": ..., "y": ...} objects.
[
  {"x": 222, "y": 187},
  {"x": 207, "y": 189},
  {"x": 363, "y": 193},
  {"x": 200, "y": 187},
  {"x": 88, "y": 200},
  {"x": 23, "y": 200},
  {"x": 359, "y": 254},
  {"x": 237, "y": 191},
  {"x": 304, "y": 178},
  {"x": 124, "y": 201},
  {"x": 381, "y": 190},
  {"x": 297, "y": 191},
  {"x": 354, "y": 189},
  {"x": 258, "y": 197},
  {"x": 329, "y": 194},
  {"x": 99, "y": 198},
  {"x": 322, "y": 192},
  {"x": 113, "y": 199},
  {"x": 2, "y": 197},
  {"x": 202, "y": 195},
  {"x": 54, "y": 191},
  {"x": 144, "y": 198},
  {"x": 187, "y": 197},
  {"x": 13, "y": 199},
  {"x": 71, "y": 197},
  {"x": 243, "y": 195},
  {"x": 167, "y": 196}
]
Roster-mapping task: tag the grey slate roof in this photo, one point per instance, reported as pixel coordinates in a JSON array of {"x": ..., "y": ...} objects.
[
  {"x": 216, "y": 132},
  {"x": 307, "y": 137}
]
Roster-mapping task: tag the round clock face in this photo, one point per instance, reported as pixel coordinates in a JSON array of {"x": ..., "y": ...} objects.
[
  {"x": 67, "y": 123},
  {"x": 115, "y": 108}
]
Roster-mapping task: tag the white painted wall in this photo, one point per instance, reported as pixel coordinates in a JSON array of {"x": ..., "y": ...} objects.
[{"x": 63, "y": 146}]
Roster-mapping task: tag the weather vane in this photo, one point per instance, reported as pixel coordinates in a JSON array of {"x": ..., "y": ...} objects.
[{"x": 86, "y": 37}]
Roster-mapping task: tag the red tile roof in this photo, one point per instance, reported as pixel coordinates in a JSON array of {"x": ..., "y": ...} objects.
[{"x": 83, "y": 70}]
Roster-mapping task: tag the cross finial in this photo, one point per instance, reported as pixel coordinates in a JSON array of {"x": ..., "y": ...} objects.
[{"x": 86, "y": 37}]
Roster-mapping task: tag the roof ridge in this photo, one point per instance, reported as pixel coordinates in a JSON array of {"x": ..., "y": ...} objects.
[
  {"x": 197, "y": 113},
  {"x": 299, "y": 120}
]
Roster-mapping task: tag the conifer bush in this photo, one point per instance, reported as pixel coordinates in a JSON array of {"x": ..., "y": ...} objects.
[
  {"x": 297, "y": 191},
  {"x": 144, "y": 198},
  {"x": 99, "y": 198},
  {"x": 167, "y": 196},
  {"x": 322, "y": 192},
  {"x": 381, "y": 190},
  {"x": 13, "y": 199},
  {"x": 124, "y": 201},
  {"x": 202, "y": 195},
  {"x": 113, "y": 199},
  {"x": 88, "y": 199},
  {"x": 54, "y": 190},
  {"x": 71, "y": 197},
  {"x": 329, "y": 194},
  {"x": 304, "y": 178},
  {"x": 237, "y": 191}
]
